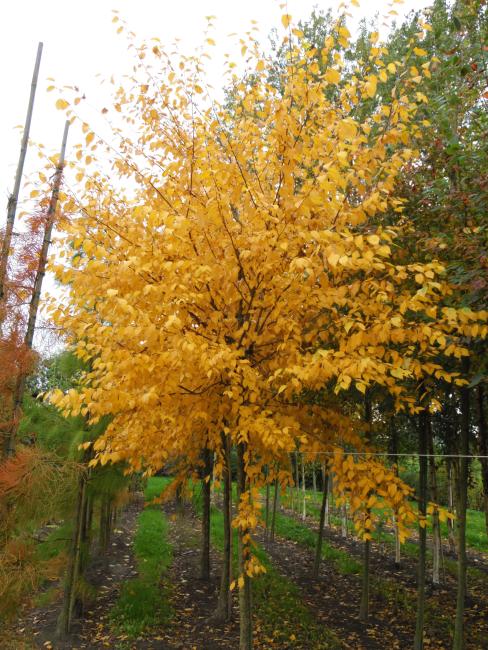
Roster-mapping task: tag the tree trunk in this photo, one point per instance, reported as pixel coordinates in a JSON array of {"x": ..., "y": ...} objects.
[
  {"x": 212, "y": 483},
  {"x": 223, "y": 610},
  {"x": 458, "y": 641},
  {"x": 275, "y": 505},
  {"x": 206, "y": 487},
  {"x": 266, "y": 523},
  {"x": 314, "y": 483},
  {"x": 326, "y": 477},
  {"x": 14, "y": 197},
  {"x": 297, "y": 484},
  {"x": 398, "y": 546},
  {"x": 74, "y": 568},
  {"x": 364, "y": 605},
  {"x": 450, "y": 505},
  {"x": 290, "y": 489},
  {"x": 244, "y": 550},
  {"x": 436, "y": 526},
  {"x": 180, "y": 507},
  {"x": 483, "y": 448},
  {"x": 320, "y": 534},
  {"x": 304, "y": 491},
  {"x": 394, "y": 460},
  {"x": 422, "y": 500},
  {"x": 344, "y": 520}
]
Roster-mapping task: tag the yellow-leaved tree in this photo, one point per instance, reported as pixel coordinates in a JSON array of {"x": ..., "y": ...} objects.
[{"x": 244, "y": 269}]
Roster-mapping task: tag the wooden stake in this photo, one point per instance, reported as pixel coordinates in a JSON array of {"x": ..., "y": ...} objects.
[{"x": 14, "y": 197}]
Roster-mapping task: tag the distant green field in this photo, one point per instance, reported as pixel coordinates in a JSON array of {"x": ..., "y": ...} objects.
[{"x": 476, "y": 537}]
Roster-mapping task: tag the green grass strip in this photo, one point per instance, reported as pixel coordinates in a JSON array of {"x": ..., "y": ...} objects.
[
  {"x": 144, "y": 602},
  {"x": 296, "y": 531}
]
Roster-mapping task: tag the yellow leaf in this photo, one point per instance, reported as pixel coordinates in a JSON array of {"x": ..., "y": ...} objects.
[
  {"x": 332, "y": 76},
  {"x": 62, "y": 104},
  {"x": 370, "y": 86},
  {"x": 333, "y": 259},
  {"x": 88, "y": 246},
  {"x": 285, "y": 20},
  {"x": 419, "y": 51}
]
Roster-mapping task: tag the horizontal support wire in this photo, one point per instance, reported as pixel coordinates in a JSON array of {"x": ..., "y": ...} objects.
[{"x": 387, "y": 454}]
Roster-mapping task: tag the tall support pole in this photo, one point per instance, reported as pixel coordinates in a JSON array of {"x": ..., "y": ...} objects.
[
  {"x": 36, "y": 294},
  {"x": 14, "y": 197},
  {"x": 50, "y": 219}
]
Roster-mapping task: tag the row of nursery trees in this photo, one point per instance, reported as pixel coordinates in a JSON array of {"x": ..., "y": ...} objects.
[{"x": 299, "y": 270}]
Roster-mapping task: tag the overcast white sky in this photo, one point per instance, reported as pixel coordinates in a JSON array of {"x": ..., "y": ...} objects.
[{"x": 81, "y": 41}]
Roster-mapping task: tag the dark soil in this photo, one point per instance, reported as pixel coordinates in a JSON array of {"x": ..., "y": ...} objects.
[
  {"x": 334, "y": 599},
  {"x": 393, "y": 596}
]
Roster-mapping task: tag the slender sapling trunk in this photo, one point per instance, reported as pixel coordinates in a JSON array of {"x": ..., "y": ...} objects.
[
  {"x": 422, "y": 500},
  {"x": 320, "y": 534},
  {"x": 206, "y": 497},
  {"x": 244, "y": 551},
  {"x": 462, "y": 491}
]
